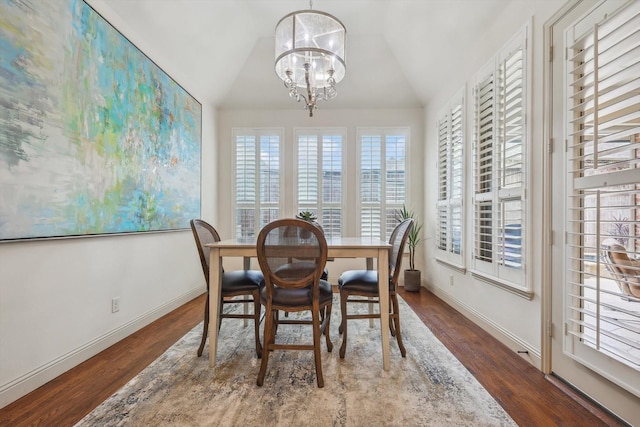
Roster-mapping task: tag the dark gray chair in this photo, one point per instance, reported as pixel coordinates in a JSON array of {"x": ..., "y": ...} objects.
[
  {"x": 297, "y": 288},
  {"x": 245, "y": 283},
  {"x": 361, "y": 286}
]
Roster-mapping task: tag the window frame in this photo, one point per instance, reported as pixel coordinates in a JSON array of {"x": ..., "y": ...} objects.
[
  {"x": 383, "y": 133},
  {"x": 320, "y": 133},
  {"x": 446, "y": 131},
  {"x": 495, "y": 268},
  {"x": 257, "y": 206}
]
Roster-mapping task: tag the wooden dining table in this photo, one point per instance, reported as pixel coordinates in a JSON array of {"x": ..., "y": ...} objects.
[{"x": 339, "y": 247}]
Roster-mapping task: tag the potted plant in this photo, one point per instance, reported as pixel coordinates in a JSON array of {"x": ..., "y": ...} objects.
[
  {"x": 412, "y": 277},
  {"x": 306, "y": 216}
]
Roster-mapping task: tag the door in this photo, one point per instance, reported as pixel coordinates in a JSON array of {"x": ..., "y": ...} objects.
[{"x": 595, "y": 186}]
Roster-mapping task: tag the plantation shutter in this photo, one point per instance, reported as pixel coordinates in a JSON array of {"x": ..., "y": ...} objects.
[
  {"x": 483, "y": 170},
  {"x": 394, "y": 188},
  {"x": 450, "y": 181},
  {"x": 371, "y": 185},
  {"x": 320, "y": 178},
  {"x": 382, "y": 180},
  {"x": 500, "y": 142},
  {"x": 269, "y": 179},
  {"x": 603, "y": 158},
  {"x": 257, "y": 180},
  {"x": 332, "y": 184},
  {"x": 246, "y": 180},
  {"x": 308, "y": 172}
]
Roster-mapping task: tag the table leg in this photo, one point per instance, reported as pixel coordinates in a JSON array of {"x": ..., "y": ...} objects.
[
  {"x": 383, "y": 291},
  {"x": 215, "y": 275},
  {"x": 247, "y": 266},
  {"x": 370, "y": 267}
]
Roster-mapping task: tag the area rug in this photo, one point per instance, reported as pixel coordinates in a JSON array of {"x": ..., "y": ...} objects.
[{"x": 429, "y": 387}]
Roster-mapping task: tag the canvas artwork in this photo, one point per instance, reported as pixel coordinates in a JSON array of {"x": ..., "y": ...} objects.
[{"x": 95, "y": 138}]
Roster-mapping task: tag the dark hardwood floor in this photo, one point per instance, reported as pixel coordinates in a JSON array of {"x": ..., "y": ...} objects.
[{"x": 523, "y": 391}]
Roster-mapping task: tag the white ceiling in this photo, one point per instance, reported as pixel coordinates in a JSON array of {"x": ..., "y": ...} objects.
[{"x": 398, "y": 51}]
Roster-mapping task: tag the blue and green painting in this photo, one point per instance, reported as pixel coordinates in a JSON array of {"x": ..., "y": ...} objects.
[{"x": 94, "y": 137}]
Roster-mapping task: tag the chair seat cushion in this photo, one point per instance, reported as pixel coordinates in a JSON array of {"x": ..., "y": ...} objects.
[
  {"x": 299, "y": 268},
  {"x": 242, "y": 280},
  {"x": 294, "y": 297},
  {"x": 363, "y": 282}
]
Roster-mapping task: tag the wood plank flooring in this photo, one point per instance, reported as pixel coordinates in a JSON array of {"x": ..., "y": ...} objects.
[{"x": 522, "y": 390}]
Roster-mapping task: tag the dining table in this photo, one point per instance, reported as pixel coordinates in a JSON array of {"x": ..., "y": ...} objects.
[{"x": 338, "y": 247}]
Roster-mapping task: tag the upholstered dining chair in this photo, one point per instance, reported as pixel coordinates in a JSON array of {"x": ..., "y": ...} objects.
[
  {"x": 297, "y": 288},
  {"x": 245, "y": 283},
  {"x": 288, "y": 264},
  {"x": 625, "y": 271},
  {"x": 361, "y": 286}
]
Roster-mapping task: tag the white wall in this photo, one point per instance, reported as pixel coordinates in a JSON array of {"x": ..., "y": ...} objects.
[
  {"x": 55, "y": 295},
  {"x": 513, "y": 319}
]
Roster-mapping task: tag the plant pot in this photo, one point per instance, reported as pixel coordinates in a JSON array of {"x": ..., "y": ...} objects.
[
  {"x": 412, "y": 280},
  {"x": 305, "y": 234}
]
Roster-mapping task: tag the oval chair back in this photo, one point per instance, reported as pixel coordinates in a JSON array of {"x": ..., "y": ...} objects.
[{"x": 292, "y": 254}]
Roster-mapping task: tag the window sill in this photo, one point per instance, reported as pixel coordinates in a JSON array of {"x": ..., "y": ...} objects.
[
  {"x": 509, "y": 287},
  {"x": 458, "y": 267}
]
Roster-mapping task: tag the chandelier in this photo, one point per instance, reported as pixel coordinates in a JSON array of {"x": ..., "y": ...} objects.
[{"x": 310, "y": 52}]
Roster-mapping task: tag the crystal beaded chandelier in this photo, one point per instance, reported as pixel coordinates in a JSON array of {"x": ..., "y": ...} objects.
[{"x": 310, "y": 55}]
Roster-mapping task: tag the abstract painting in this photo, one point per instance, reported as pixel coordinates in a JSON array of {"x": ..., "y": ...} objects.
[{"x": 95, "y": 138}]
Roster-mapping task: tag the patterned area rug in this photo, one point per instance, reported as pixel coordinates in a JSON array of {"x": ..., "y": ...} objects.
[{"x": 429, "y": 387}]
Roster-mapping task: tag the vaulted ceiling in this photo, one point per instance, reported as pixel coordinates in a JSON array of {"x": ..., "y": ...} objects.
[{"x": 399, "y": 52}]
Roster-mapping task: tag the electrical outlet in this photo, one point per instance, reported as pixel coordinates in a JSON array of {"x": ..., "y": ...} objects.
[
  {"x": 451, "y": 280},
  {"x": 115, "y": 304}
]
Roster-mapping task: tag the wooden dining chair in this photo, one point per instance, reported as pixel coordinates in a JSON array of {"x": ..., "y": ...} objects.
[
  {"x": 361, "y": 286},
  {"x": 238, "y": 283},
  {"x": 297, "y": 288}
]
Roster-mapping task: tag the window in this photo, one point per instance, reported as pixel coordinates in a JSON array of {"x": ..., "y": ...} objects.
[
  {"x": 500, "y": 145},
  {"x": 450, "y": 181},
  {"x": 257, "y": 179},
  {"x": 382, "y": 176},
  {"x": 320, "y": 182},
  {"x": 603, "y": 194},
  {"x": 275, "y": 178}
]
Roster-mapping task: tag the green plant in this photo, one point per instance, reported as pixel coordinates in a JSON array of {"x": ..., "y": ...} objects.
[
  {"x": 414, "y": 235},
  {"x": 307, "y": 216}
]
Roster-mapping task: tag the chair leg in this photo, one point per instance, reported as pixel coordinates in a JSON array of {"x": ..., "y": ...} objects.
[
  {"x": 257, "y": 311},
  {"x": 396, "y": 322},
  {"x": 276, "y": 317},
  {"x": 220, "y": 311},
  {"x": 316, "y": 347},
  {"x": 326, "y": 322},
  {"x": 267, "y": 340},
  {"x": 392, "y": 327},
  {"x": 205, "y": 329},
  {"x": 343, "y": 323}
]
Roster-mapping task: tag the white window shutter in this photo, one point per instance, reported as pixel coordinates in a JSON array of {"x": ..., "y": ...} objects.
[
  {"x": 257, "y": 179},
  {"x": 320, "y": 177},
  {"x": 383, "y": 183},
  {"x": 500, "y": 145},
  {"x": 603, "y": 172}
]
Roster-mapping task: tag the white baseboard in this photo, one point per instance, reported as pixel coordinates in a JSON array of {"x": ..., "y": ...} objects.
[
  {"x": 532, "y": 355},
  {"x": 28, "y": 382}
]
